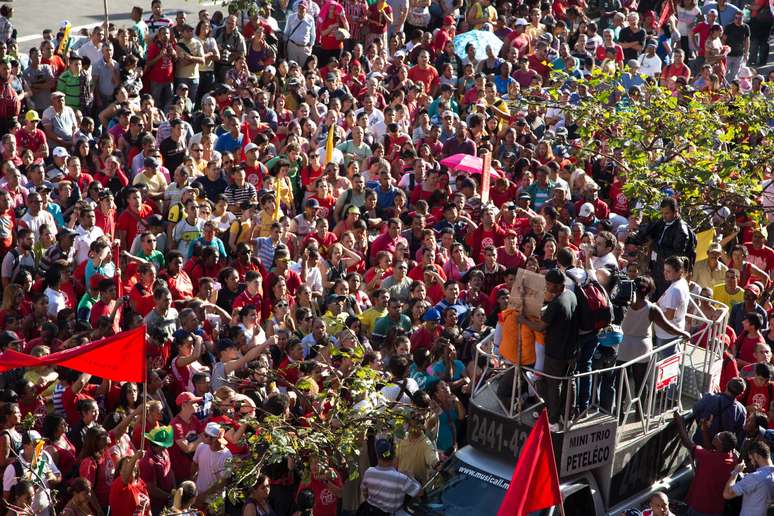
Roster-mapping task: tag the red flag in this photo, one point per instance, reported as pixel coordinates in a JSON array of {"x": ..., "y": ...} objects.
[
  {"x": 120, "y": 357},
  {"x": 666, "y": 12},
  {"x": 535, "y": 482},
  {"x": 246, "y": 138}
]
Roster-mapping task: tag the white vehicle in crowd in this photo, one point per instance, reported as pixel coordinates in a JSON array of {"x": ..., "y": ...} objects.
[{"x": 607, "y": 462}]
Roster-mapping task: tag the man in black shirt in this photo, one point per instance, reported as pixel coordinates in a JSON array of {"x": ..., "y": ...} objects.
[
  {"x": 559, "y": 326},
  {"x": 173, "y": 148},
  {"x": 632, "y": 37},
  {"x": 738, "y": 38}
]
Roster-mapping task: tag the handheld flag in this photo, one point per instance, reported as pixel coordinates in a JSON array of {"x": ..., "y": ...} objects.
[
  {"x": 64, "y": 44},
  {"x": 535, "y": 482},
  {"x": 120, "y": 357},
  {"x": 329, "y": 145}
]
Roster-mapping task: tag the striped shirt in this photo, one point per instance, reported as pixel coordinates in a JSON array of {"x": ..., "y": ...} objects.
[
  {"x": 154, "y": 24},
  {"x": 238, "y": 194},
  {"x": 356, "y": 8},
  {"x": 70, "y": 85},
  {"x": 388, "y": 487}
]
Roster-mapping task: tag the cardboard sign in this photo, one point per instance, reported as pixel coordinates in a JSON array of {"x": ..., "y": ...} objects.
[{"x": 528, "y": 293}]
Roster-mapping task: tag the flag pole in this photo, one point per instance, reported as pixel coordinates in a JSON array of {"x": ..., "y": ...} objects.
[
  {"x": 144, "y": 405},
  {"x": 144, "y": 412}
]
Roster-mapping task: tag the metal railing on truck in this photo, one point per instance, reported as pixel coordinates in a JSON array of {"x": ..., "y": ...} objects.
[{"x": 693, "y": 369}]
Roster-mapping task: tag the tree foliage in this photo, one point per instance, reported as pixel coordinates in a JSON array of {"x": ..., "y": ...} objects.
[
  {"x": 332, "y": 431},
  {"x": 711, "y": 151}
]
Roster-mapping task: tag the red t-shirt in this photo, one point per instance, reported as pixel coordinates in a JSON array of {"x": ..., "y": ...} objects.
[
  {"x": 141, "y": 300},
  {"x": 157, "y": 469},
  {"x": 428, "y": 76},
  {"x": 180, "y": 286},
  {"x": 601, "y": 50},
  {"x": 30, "y": 140},
  {"x": 100, "y": 473},
  {"x": 129, "y": 500},
  {"x": 508, "y": 261},
  {"x": 70, "y": 400},
  {"x": 133, "y": 223},
  {"x": 332, "y": 17},
  {"x": 423, "y": 338},
  {"x": 763, "y": 257},
  {"x": 163, "y": 71},
  {"x": 245, "y": 299},
  {"x": 106, "y": 222},
  {"x": 712, "y": 471},
  {"x": 99, "y": 309},
  {"x": 326, "y": 205},
  {"x": 757, "y": 396},
  {"x": 745, "y": 345},
  {"x": 703, "y": 30},
  {"x": 325, "y": 502},
  {"x": 376, "y": 23},
  {"x": 541, "y": 67},
  {"x": 188, "y": 430}
]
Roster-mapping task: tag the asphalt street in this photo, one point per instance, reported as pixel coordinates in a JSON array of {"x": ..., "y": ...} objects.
[{"x": 32, "y": 16}]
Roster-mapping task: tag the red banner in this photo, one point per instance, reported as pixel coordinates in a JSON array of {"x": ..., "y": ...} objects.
[
  {"x": 120, "y": 357},
  {"x": 535, "y": 482}
]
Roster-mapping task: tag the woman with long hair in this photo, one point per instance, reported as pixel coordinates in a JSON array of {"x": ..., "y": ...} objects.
[
  {"x": 59, "y": 447},
  {"x": 10, "y": 438},
  {"x": 96, "y": 466},
  {"x": 257, "y": 502},
  {"x": 13, "y": 304}
]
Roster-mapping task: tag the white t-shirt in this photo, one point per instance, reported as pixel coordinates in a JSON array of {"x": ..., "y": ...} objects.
[
  {"x": 211, "y": 465},
  {"x": 56, "y": 301},
  {"x": 650, "y": 66},
  {"x": 391, "y": 392},
  {"x": 83, "y": 241},
  {"x": 599, "y": 262},
  {"x": 41, "y": 503},
  {"x": 676, "y": 296}
]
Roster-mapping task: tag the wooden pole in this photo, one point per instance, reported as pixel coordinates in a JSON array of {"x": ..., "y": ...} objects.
[
  {"x": 144, "y": 411},
  {"x": 105, "y": 7}
]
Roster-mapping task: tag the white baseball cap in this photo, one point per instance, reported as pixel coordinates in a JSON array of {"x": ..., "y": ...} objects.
[
  {"x": 60, "y": 152},
  {"x": 587, "y": 210}
]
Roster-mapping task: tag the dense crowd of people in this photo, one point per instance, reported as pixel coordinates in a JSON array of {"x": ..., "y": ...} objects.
[{"x": 263, "y": 187}]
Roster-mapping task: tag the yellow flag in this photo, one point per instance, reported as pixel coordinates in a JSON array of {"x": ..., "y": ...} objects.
[
  {"x": 64, "y": 44},
  {"x": 703, "y": 241},
  {"x": 277, "y": 199},
  {"x": 329, "y": 145}
]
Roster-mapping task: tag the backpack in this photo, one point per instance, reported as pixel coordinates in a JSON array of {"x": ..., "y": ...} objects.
[
  {"x": 16, "y": 266},
  {"x": 595, "y": 311}
]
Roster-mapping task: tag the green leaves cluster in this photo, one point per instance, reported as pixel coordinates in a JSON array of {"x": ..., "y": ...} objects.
[
  {"x": 331, "y": 434},
  {"x": 712, "y": 150}
]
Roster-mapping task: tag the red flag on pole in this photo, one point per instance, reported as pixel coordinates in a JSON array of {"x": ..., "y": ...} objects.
[
  {"x": 535, "y": 482},
  {"x": 246, "y": 139},
  {"x": 120, "y": 357},
  {"x": 666, "y": 12}
]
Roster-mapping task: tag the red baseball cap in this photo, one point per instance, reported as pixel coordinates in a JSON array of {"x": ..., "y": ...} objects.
[{"x": 185, "y": 397}]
